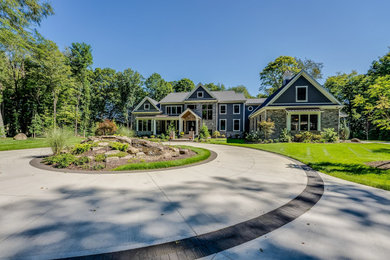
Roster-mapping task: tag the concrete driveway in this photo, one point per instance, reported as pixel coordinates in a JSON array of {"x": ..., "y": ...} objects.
[{"x": 47, "y": 214}]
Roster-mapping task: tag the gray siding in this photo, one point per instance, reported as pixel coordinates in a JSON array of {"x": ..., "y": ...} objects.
[
  {"x": 163, "y": 108},
  {"x": 206, "y": 96},
  {"x": 314, "y": 95},
  {"x": 229, "y": 116},
  {"x": 152, "y": 108}
]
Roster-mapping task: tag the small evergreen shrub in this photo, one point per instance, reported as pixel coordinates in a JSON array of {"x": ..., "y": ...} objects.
[
  {"x": 119, "y": 146},
  {"x": 100, "y": 157},
  {"x": 329, "y": 135},
  {"x": 204, "y": 132},
  {"x": 120, "y": 155},
  {"x": 82, "y": 160},
  {"x": 81, "y": 148},
  {"x": 98, "y": 167},
  {"x": 253, "y": 137},
  {"x": 216, "y": 134},
  {"x": 285, "y": 136},
  {"x": 60, "y": 160}
]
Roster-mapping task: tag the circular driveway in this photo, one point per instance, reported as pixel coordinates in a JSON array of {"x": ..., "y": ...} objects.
[{"x": 53, "y": 214}]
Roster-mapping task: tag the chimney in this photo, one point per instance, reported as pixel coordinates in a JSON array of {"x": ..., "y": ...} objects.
[{"x": 287, "y": 76}]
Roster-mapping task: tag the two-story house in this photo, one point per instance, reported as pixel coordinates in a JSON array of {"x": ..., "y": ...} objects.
[{"x": 301, "y": 104}]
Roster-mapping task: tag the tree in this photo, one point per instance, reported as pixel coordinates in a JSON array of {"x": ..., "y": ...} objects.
[
  {"x": 183, "y": 85},
  {"x": 214, "y": 87},
  {"x": 380, "y": 67},
  {"x": 241, "y": 89},
  {"x": 157, "y": 87},
  {"x": 131, "y": 92},
  {"x": 267, "y": 127},
  {"x": 80, "y": 58},
  {"x": 271, "y": 77},
  {"x": 36, "y": 126}
]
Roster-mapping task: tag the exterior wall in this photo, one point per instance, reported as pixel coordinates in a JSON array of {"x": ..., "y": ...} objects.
[
  {"x": 229, "y": 116},
  {"x": 211, "y": 124},
  {"x": 247, "y": 113},
  {"x": 314, "y": 95},
  {"x": 194, "y": 96},
  {"x": 163, "y": 108},
  {"x": 197, "y": 110},
  {"x": 255, "y": 120},
  {"x": 330, "y": 119},
  {"x": 279, "y": 117},
  {"x": 152, "y": 108}
]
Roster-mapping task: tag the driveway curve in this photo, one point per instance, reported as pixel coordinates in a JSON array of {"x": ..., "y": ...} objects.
[{"x": 54, "y": 214}]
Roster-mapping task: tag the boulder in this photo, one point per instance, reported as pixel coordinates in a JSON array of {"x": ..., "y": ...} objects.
[
  {"x": 97, "y": 148},
  {"x": 140, "y": 154},
  {"x": 355, "y": 140},
  {"x": 112, "y": 152},
  {"x": 124, "y": 139},
  {"x": 132, "y": 150},
  {"x": 112, "y": 159},
  {"x": 128, "y": 157},
  {"x": 20, "y": 136},
  {"x": 174, "y": 149},
  {"x": 103, "y": 144},
  {"x": 183, "y": 151}
]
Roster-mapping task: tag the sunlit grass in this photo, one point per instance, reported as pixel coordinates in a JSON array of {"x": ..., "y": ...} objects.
[{"x": 10, "y": 144}]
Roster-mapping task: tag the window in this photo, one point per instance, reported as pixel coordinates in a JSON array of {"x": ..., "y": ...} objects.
[
  {"x": 144, "y": 125},
  {"x": 193, "y": 107},
  {"x": 199, "y": 94},
  {"x": 301, "y": 93},
  {"x": 236, "y": 108},
  {"x": 222, "y": 109},
  {"x": 207, "y": 112},
  {"x": 173, "y": 110},
  {"x": 250, "y": 108},
  {"x": 146, "y": 106},
  {"x": 222, "y": 124},
  {"x": 304, "y": 122},
  {"x": 236, "y": 124}
]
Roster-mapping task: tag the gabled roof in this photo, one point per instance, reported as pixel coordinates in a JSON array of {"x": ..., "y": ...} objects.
[
  {"x": 282, "y": 89},
  {"x": 254, "y": 101},
  {"x": 196, "y": 88},
  {"x": 189, "y": 110},
  {"x": 151, "y": 100},
  {"x": 221, "y": 96}
]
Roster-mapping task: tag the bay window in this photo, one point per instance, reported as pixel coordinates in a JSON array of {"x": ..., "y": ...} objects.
[{"x": 304, "y": 122}]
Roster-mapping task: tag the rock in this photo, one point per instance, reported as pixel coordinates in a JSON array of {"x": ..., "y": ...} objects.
[
  {"x": 100, "y": 151},
  {"x": 183, "y": 151},
  {"x": 112, "y": 159},
  {"x": 112, "y": 152},
  {"x": 140, "y": 154},
  {"x": 174, "y": 149},
  {"x": 132, "y": 150},
  {"x": 128, "y": 157},
  {"x": 20, "y": 136},
  {"x": 355, "y": 140},
  {"x": 91, "y": 157},
  {"x": 97, "y": 148},
  {"x": 124, "y": 139},
  {"x": 103, "y": 144}
]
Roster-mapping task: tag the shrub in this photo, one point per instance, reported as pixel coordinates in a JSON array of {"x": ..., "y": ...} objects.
[
  {"x": 216, "y": 134},
  {"x": 124, "y": 131},
  {"x": 82, "y": 160},
  {"x": 100, "y": 157},
  {"x": 60, "y": 160},
  {"x": 81, "y": 148},
  {"x": 285, "y": 136},
  {"x": 152, "y": 136},
  {"x": 119, "y": 146},
  {"x": 58, "y": 139},
  {"x": 267, "y": 127},
  {"x": 181, "y": 133},
  {"x": 344, "y": 131},
  {"x": 97, "y": 167},
  {"x": 253, "y": 136},
  {"x": 107, "y": 127},
  {"x": 329, "y": 135},
  {"x": 120, "y": 154},
  {"x": 204, "y": 132},
  {"x": 223, "y": 136}
]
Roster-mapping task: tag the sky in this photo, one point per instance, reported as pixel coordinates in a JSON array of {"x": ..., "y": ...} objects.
[{"x": 222, "y": 41}]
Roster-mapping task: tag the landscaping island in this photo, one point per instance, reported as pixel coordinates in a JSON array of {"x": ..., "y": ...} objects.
[{"x": 119, "y": 153}]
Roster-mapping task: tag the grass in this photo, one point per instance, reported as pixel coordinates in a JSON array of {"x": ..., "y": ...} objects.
[
  {"x": 342, "y": 160},
  {"x": 7, "y": 144},
  {"x": 201, "y": 154}
]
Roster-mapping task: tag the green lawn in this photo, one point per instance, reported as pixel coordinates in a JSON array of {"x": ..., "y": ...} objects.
[
  {"x": 201, "y": 154},
  {"x": 10, "y": 144},
  {"x": 342, "y": 160}
]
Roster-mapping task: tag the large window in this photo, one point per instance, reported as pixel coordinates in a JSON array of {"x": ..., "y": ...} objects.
[
  {"x": 192, "y": 107},
  {"x": 144, "y": 125},
  {"x": 301, "y": 95},
  {"x": 236, "y": 108},
  {"x": 207, "y": 112},
  {"x": 222, "y": 109},
  {"x": 236, "y": 124},
  {"x": 304, "y": 122},
  {"x": 173, "y": 110},
  {"x": 222, "y": 124}
]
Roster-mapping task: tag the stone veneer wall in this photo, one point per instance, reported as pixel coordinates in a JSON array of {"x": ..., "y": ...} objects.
[
  {"x": 279, "y": 117},
  {"x": 330, "y": 119},
  {"x": 211, "y": 124}
]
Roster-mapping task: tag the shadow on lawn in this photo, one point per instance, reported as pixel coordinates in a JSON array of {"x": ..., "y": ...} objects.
[
  {"x": 381, "y": 150},
  {"x": 348, "y": 168}
]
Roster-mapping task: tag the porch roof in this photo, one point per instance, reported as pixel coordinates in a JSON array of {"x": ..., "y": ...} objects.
[
  {"x": 303, "y": 110},
  {"x": 159, "y": 117}
]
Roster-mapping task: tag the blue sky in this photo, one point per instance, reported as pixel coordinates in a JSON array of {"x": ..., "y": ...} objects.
[{"x": 222, "y": 41}]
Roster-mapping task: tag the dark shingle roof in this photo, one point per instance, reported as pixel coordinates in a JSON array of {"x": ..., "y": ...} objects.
[
  {"x": 221, "y": 96},
  {"x": 255, "y": 101}
]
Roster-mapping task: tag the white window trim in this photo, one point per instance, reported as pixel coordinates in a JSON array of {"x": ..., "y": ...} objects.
[
  {"x": 239, "y": 109},
  {"x": 146, "y": 106},
  {"x": 299, "y": 122},
  {"x": 224, "y": 105},
  {"x": 296, "y": 93},
  {"x": 239, "y": 125},
  {"x": 201, "y": 94},
  {"x": 250, "y": 108},
  {"x": 177, "y": 109},
  {"x": 220, "y": 120}
]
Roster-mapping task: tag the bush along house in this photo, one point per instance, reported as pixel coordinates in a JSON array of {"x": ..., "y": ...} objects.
[{"x": 301, "y": 104}]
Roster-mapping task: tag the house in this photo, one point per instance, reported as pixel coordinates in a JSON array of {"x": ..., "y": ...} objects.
[{"x": 301, "y": 104}]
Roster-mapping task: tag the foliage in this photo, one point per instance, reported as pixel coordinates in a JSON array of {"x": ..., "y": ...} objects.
[
  {"x": 285, "y": 136},
  {"x": 215, "y": 87},
  {"x": 60, "y": 160},
  {"x": 216, "y": 134},
  {"x": 124, "y": 131},
  {"x": 344, "y": 131},
  {"x": 119, "y": 146},
  {"x": 204, "y": 132},
  {"x": 36, "y": 127},
  {"x": 171, "y": 129},
  {"x": 183, "y": 85},
  {"x": 81, "y": 161},
  {"x": 253, "y": 136},
  {"x": 81, "y": 148},
  {"x": 98, "y": 167},
  {"x": 120, "y": 154},
  {"x": 107, "y": 127},
  {"x": 241, "y": 89},
  {"x": 307, "y": 137},
  {"x": 329, "y": 135},
  {"x": 58, "y": 139},
  {"x": 100, "y": 157},
  {"x": 267, "y": 128},
  {"x": 313, "y": 68},
  {"x": 156, "y": 87}
]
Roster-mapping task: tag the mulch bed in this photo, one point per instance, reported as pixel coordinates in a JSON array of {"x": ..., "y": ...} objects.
[{"x": 384, "y": 165}]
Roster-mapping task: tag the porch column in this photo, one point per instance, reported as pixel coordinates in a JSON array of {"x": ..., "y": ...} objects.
[
  {"x": 180, "y": 125},
  {"x": 154, "y": 126},
  {"x": 197, "y": 127},
  {"x": 136, "y": 122}
]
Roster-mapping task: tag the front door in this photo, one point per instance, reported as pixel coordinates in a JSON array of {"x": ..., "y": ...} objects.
[{"x": 190, "y": 126}]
